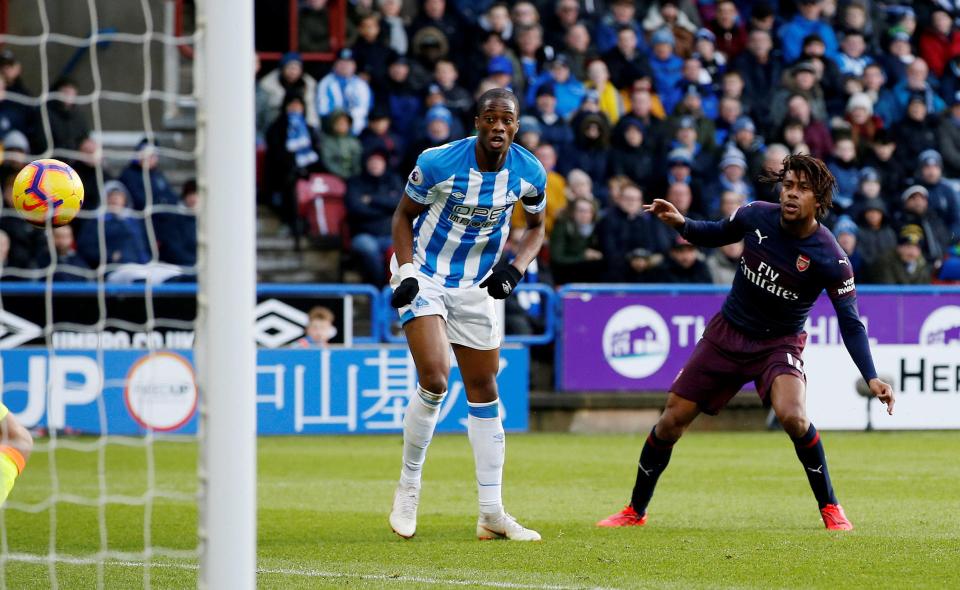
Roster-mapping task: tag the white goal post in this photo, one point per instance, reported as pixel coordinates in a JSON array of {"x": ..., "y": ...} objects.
[{"x": 225, "y": 348}]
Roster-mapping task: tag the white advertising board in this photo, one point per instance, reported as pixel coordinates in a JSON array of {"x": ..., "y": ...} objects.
[{"x": 926, "y": 380}]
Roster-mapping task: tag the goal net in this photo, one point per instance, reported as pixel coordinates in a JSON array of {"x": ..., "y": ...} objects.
[{"x": 141, "y": 473}]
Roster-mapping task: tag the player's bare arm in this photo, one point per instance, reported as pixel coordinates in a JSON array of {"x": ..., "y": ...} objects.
[
  {"x": 531, "y": 242},
  {"x": 666, "y": 212},
  {"x": 402, "y": 230}
]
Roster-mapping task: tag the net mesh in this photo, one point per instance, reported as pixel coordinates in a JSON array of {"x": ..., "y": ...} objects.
[{"x": 95, "y": 502}]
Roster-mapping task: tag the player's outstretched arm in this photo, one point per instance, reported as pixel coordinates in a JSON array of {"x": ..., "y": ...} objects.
[
  {"x": 402, "y": 233},
  {"x": 666, "y": 212}
]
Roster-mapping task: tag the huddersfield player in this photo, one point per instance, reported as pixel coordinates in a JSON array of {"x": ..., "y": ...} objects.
[
  {"x": 448, "y": 232},
  {"x": 15, "y": 446},
  {"x": 788, "y": 260}
]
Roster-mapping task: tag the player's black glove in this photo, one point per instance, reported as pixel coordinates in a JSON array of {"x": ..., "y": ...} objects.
[
  {"x": 405, "y": 292},
  {"x": 502, "y": 282}
]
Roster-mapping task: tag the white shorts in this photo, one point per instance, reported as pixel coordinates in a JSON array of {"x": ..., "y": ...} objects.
[{"x": 470, "y": 313}]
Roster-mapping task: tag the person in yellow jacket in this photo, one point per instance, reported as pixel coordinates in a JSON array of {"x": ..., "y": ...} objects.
[{"x": 610, "y": 100}]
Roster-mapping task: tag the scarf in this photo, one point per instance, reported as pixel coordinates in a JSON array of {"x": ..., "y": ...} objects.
[{"x": 298, "y": 140}]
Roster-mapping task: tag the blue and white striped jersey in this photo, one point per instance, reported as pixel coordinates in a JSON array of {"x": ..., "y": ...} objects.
[{"x": 458, "y": 239}]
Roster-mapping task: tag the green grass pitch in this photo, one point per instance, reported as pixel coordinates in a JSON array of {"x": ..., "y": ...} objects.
[{"x": 732, "y": 511}]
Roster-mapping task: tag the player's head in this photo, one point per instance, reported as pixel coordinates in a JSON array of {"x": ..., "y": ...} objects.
[
  {"x": 497, "y": 120},
  {"x": 806, "y": 187}
]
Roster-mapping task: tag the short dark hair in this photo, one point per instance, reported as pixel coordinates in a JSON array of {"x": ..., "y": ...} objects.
[
  {"x": 815, "y": 171},
  {"x": 494, "y": 94}
]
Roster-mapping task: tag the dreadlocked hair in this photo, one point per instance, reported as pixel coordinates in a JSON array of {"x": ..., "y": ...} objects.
[{"x": 815, "y": 171}]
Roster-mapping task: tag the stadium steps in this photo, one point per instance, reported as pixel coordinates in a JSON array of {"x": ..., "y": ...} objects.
[{"x": 278, "y": 260}]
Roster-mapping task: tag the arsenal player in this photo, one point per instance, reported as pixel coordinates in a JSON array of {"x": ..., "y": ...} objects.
[{"x": 789, "y": 258}]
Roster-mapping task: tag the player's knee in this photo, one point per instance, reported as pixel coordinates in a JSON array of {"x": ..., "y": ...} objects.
[
  {"x": 670, "y": 427},
  {"x": 795, "y": 424},
  {"x": 481, "y": 388},
  {"x": 434, "y": 380}
]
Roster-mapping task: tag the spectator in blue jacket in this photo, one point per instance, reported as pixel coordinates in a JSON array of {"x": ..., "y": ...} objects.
[
  {"x": 568, "y": 90},
  {"x": 843, "y": 165},
  {"x": 124, "y": 236},
  {"x": 342, "y": 89},
  {"x": 892, "y": 105},
  {"x": 806, "y": 22},
  {"x": 177, "y": 232},
  {"x": 139, "y": 172},
  {"x": 666, "y": 66},
  {"x": 622, "y": 14}
]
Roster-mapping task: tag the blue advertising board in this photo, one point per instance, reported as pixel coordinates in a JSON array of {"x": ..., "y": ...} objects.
[{"x": 337, "y": 391}]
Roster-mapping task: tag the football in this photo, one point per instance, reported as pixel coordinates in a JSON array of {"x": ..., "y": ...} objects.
[{"x": 48, "y": 189}]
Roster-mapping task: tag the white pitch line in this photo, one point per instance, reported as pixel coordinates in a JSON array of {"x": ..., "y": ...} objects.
[{"x": 305, "y": 573}]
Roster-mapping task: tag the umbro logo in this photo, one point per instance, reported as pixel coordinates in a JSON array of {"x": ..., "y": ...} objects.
[
  {"x": 457, "y": 196},
  {"x": 420, "y": 303},
  {"x": 278, "y": 324},
  {"x": 507, "y": 288},
  {"x": 760, "y": 237}
]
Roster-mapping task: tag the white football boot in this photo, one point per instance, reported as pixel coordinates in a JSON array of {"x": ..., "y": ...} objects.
[
  {"x": 490, "y": 526},
  {"x": 403, "y": 517}
]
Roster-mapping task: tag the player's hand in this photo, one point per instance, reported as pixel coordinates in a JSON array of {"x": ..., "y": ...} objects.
[
  {"x": 884, "y": 393},
  {"x": 405, "y": 292},
  {"x": 502, "y": 282},
  {"x": 665, "y": 212}
]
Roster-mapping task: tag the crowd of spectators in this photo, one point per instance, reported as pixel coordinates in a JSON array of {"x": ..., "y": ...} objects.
[
  {"x": 627, "y": 100},
  {"x": 144, "y": 228}
]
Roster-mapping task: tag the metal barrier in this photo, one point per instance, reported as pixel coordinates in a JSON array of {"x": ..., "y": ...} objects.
[
  {"x": 347, "y": 291},
  {"x": 548, "y": 304}
]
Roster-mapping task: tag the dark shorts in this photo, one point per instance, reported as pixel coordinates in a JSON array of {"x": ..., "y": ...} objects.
[{"x": 725, "y": 359}]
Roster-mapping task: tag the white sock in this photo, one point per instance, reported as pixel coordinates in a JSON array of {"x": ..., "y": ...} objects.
[
  {"x": 419, "y": 420},
  {"x": 489, "y": 447}
]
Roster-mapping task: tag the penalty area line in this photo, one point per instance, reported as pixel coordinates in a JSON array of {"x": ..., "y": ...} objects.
[{"x": 304, "y": 573}]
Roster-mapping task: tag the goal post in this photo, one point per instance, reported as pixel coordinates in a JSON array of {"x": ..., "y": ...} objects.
[{"x": 225, "y": 347}]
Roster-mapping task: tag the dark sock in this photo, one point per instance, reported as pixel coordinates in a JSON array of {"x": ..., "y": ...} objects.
[
  {"x": 810, "y": 452},
  {"x": 653, "y": 460}
]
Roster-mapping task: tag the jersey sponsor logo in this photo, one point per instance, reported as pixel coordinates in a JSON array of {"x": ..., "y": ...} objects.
[
  {"x": 803, "y": 263},
  {"x": 476, "y": 217},
  {"x": 847, "y": 287},
  {"x": 765, "y": 277},
  {"x": 760, "y": 237},
  {"x": 636, "y": 341},
  {"x": 416, "y": 176}
]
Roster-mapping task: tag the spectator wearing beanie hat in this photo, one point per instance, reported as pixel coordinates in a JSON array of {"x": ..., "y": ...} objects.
[
  {"x": 289, "y": 77},
  {"x": 915, "y": 210},
  {"x": 846, "y": 232},
  {"x": 943, "y": 196},
  {"x": 666, "y": 67},
  {"x": 863, "y": 123},
  {"x": 342, "y": 89}
]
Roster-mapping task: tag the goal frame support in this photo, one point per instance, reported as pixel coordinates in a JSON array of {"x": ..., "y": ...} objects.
[{"x": 225, "y": 346}]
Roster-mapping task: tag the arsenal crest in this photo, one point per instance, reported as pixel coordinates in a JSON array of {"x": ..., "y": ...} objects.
[{"x": 803, "y": 263}]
